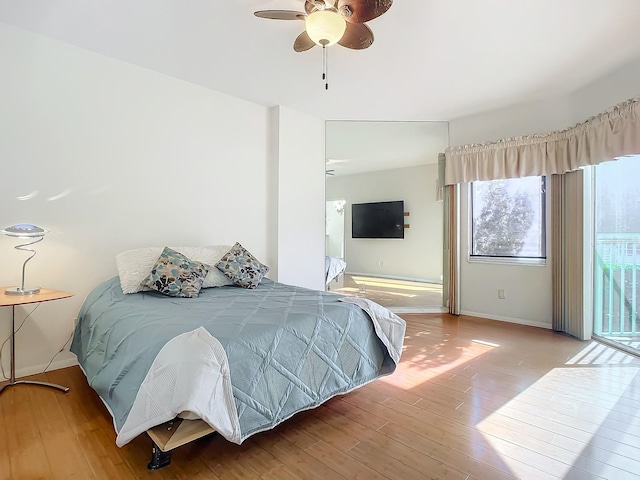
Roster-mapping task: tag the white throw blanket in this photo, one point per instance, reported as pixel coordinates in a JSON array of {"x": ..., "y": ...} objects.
[
  {"x": 190, "y": 378},
  {"x": 389, "y": 327}
]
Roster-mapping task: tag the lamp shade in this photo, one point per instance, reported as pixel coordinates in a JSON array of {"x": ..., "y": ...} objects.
[
  {"x": 30, "y": 234},
  {"x": 24, "y": 230},
  {"x": 325, "y": 27}
]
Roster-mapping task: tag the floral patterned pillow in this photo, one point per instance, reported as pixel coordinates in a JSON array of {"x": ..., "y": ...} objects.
[
  {"x": 241, "y": 267},
  {"x": 176, "y": 275}
]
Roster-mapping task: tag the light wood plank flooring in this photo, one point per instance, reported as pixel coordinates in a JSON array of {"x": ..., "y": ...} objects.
[
  {"x": 396, "y": 295},
  {"x": 472, "y": 399}
]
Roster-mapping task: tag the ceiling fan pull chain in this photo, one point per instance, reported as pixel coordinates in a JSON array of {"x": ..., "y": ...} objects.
[{"x": 325, "y": 64}]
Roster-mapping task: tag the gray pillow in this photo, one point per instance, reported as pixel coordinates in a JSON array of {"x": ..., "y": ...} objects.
[
  {"x": 176, "y": 275},
  {"x": 242, "y": 268}
]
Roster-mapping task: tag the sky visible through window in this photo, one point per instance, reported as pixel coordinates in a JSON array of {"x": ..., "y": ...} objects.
[{"x": 618, "y": 196}]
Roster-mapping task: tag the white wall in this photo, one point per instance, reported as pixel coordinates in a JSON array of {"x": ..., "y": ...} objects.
[
  {"x": 528, "y": 287},
  {"x": 419, "y": 254},
  {"x": 300, "y": 199},
  {"x": 117, "y": 157},
  {"x": 615, "y": 87}
]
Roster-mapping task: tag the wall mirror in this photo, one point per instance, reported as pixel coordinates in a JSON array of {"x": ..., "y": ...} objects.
[{"x": 373, "y": 165}]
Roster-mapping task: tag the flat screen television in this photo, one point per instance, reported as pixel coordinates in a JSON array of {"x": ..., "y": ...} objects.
[{"x": 377, "y": 220}]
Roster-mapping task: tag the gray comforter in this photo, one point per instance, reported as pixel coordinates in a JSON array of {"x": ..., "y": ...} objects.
[{"x": 288, "y": 348}]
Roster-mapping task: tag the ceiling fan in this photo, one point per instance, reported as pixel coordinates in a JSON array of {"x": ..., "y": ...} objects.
[{"x": 333, "y": 21}]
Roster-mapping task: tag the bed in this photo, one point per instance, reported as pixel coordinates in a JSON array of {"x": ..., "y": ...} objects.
[
  {"x": 241, "y": 360},
  {"x": 334, "y": 267}
]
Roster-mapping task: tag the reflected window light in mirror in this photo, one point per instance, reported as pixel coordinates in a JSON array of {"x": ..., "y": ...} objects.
[
  {"x": 60, "y": 195},
  {"x": 101, "y": 190},
  {"x": 28, "y": 196}
]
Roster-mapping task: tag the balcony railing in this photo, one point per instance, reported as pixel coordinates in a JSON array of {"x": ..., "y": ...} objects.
[{"x": 617, "y": 285}]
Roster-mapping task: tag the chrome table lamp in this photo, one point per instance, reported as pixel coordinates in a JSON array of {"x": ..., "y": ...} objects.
[{"x": 25, "y": 231}]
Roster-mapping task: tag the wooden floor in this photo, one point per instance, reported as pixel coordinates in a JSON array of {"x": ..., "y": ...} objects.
[
  {"x": 471, "y": 399},
  {"x": 397, "y": 295}
]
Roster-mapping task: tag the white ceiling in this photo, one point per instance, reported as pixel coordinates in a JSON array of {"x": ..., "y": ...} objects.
[
  {"x": 356, "y": 146},
  {"x": 431, "y": 59}
]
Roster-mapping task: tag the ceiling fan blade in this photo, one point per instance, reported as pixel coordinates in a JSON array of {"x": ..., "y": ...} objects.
[
  {"x": 364, "y": 10},
  {"x": 310, "y": 5},
  {"x": 357, "y": 36},
  {"x": 280, "y": 14},
  {"x": 303, "y": 42}
]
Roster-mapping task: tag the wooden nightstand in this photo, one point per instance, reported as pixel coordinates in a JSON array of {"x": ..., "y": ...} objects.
[{"x": 44, "y": 295}]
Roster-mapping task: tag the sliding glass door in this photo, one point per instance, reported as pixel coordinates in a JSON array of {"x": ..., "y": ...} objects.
[{"x": 616, "y": 293}]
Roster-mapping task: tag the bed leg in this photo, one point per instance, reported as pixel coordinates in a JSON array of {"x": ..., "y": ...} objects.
[{"x": 159, "y": 458}]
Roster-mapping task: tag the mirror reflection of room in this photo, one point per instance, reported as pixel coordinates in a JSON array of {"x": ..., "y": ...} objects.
[
  {"x": 334, "y": 244},
  {"x": 386, "y": 175}
]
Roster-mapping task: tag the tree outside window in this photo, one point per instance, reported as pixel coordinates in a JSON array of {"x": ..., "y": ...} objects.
[{"x": 508, "y": 218}]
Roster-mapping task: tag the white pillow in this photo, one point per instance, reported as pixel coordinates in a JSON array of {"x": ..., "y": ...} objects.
[{"x": 134, "y": 265}]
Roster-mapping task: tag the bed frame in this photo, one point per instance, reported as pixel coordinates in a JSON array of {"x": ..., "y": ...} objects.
[{"x": 171, "y": 435}]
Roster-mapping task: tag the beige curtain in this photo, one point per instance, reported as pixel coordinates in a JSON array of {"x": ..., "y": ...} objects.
[
  {"x": 451, "y": 261},
  {"x": 450, "y": 240},
  {"x": 567, "y": 252},
  {"x": 613, "y": 133}
]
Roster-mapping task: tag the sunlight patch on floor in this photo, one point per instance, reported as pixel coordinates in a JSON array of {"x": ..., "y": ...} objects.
[
  {"x": 395, "y": 294},
  {"x": 599, "y": 354},
  {"x": 397, "y": 284},
  {"x": 356, "y": 291},
  {"x": 562, "y": 409},
  {"x": 421, "y": 367},
  {"x": 484, "y": 342}
]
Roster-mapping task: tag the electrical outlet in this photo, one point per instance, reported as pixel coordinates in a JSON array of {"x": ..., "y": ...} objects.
[{"x": 502, "y": 293}]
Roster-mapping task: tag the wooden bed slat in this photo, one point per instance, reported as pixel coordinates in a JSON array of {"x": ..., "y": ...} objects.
[{"x": 178, "y": 432}]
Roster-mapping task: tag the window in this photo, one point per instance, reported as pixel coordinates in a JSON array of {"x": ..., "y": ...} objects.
[{"x": 508, "y": 220}]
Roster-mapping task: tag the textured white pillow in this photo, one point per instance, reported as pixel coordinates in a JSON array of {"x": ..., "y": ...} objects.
[{"x": 134, "y": 265}]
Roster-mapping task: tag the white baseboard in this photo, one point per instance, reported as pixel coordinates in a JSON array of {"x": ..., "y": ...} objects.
[
  {"x": 519, "y": 321},
  {"x": 70, "y": 361}
]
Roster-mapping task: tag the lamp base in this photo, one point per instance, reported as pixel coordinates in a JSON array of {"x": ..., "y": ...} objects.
[{"x": 22, "y": 291}]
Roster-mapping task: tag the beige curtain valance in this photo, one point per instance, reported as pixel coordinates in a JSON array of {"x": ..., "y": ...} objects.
[{"x": 613, "y": 133}]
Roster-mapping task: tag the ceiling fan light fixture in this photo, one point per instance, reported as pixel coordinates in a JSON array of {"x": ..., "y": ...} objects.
[{"x": 325, "y": 27}]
